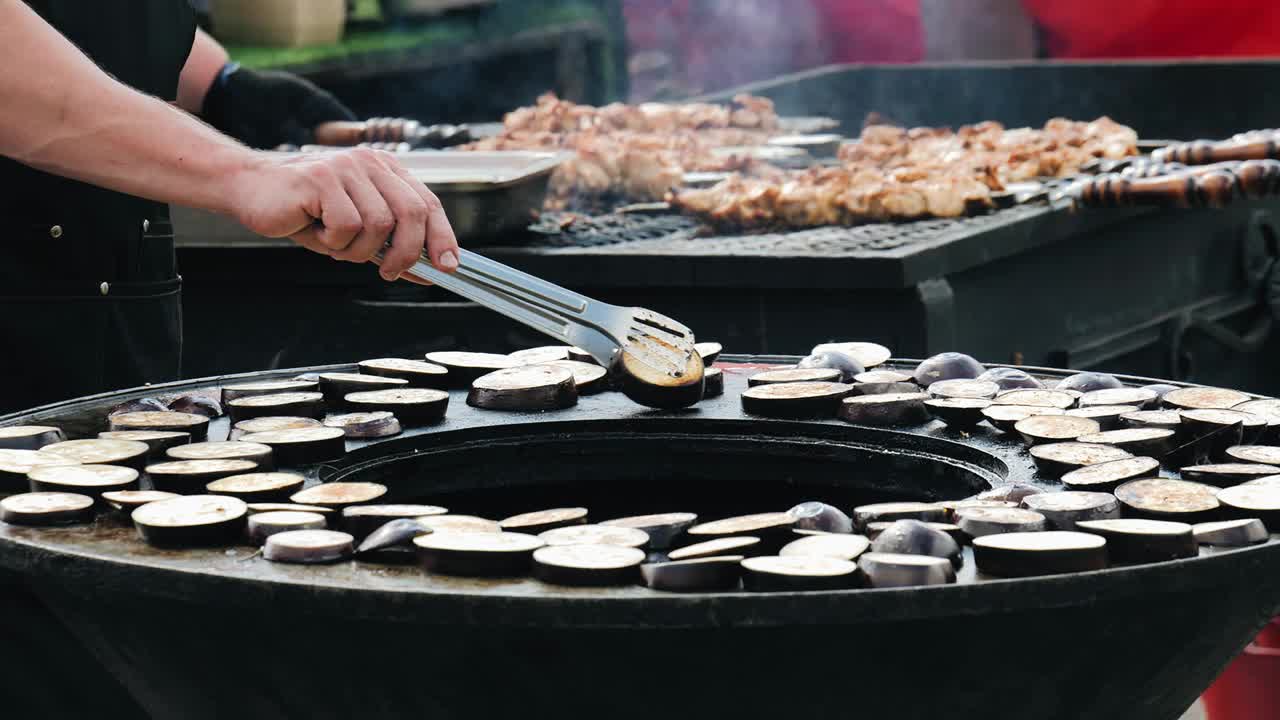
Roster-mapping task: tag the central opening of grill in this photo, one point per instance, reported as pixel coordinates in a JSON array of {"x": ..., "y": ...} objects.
[{"x": 713, "y": 468}]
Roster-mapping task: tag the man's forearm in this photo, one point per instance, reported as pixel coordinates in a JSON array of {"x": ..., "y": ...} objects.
[{"x": 62, "y": 114}]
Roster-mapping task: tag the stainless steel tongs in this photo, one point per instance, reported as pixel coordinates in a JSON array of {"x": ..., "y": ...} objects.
[{"x": 601, "y": 329}]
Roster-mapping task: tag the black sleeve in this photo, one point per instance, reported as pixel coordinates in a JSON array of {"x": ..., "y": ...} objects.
[{"x": 264, "y": 109}]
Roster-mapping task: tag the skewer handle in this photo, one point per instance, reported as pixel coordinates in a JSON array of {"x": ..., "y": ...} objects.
[
  {"x": 391, "y": 132},
  {"x": 1214, "y": 188},
  {"x": 1258, "y": 145}
]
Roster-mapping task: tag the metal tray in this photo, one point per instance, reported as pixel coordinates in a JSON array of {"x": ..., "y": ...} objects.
[{"x": 485, "y": 194}]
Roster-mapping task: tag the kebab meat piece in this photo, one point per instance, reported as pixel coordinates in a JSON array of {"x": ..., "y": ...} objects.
[{"x": 551, "y": 114}]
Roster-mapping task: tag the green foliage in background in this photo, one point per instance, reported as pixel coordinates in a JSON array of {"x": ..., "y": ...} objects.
[{"x": 505, "y": 18}]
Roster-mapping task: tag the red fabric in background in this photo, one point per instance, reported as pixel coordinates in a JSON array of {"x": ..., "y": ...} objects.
[
  {"x": 872, "y": 31},
  {"x": 1158, "y": 28}
]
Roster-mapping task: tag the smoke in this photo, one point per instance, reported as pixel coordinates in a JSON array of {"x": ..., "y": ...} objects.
[{"x": 689, "y": 47}]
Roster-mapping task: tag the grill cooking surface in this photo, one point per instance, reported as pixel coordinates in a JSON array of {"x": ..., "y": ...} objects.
[{"x": 678, "y": 235}]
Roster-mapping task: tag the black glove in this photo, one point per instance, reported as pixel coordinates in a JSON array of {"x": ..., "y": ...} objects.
[{"x": 264, "y": 109}]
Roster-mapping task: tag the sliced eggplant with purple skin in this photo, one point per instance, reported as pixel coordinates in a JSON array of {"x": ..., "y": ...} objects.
[
  {"x": 500, "y": 554},
  {"x": 1107, "y": 416},
  {"x": 773, "y": 529},
  {"x": 1260, "y": 454},
  {"x": 866, "y": 354},
  {"x": 1139, "y": 397},
  {"x": 595, "y": 535},
  {"x": 1011, "y": 379},
  {"x": 539, "y": 355},
  {"x": 958, "y": 413},
  {"x": 845, "y": 365},
  {"x": 415, "y": 372},
  {"x": 47, "y": 508},
  {"x": 1006, "y": 417},
  {"x": 663, "y": 529},
  {"x": 587, "y": 565},
  {"x": 146, "y": 404},
  {"x": 392, "y": 542},
  {"x": 1039, "y": 553},
  {"x": 197, "y": 405},
  {"x": 263, "y": 525},
  {"x": 782, "y": 376},
  {"x": 196, "y": 425},
  {"x": 1151, "y": 442},
  {"x": 873, "y": 530},
  {"x": 1058, "y": 459},
  {"x": 192, "y": 521},
  {"x": 302, "y": 446},
  {"x": 340, "y": 495},
  {"x": 713, "y": 383},
  {"x": 525, "y": 388},
  {"x": 308, "y": 547},
  {"x": 814, "y": 515},
  {"x": 884, "y": 377},
  {"x": 951, "y": 506},
  {"x": 540, "y": 521},
  {"x": 1168, "y": 499},
  {"x": 292, "y": 404},
  {"x": 1253, "y": 501},
  {"x": 271, "y": 423},
  {"x": 844, "y": 547},
  {"x": 260, "y": 507},
  {"x": 947, "y": 366},
  {"x": 1131, "y": 540},
  {"x": 1087, "y": 382},
  {"x": 361, "y": 520},
  {"x": 465, "y": 367},
  {"x": 1204, "y": 398},
  {"x": 741, "y": 545},
  {"x": 1269, "y": 410},
  {"x": 1227, "y": 474},
  {"x": 129, "y": 500},
  {"x": 1160, "y": 389},
  {"x": 1165, "y": 419},
  {"x": 912, "y": 537},
  {"x": 190, "y": 477},
  {"x": 884, "y": 570},
  {"x": 100, "y": 452},
  {"x": 1107, "y": 476},
  {"x": 722, "y": 572},
  {"x": 1206, "y": 434},
  {"x": 258, "y": 487},
  {"x": 29, "y": 437},
  {"x": 1043, "y": 429},
  {"x": 797, "y": 573},
  {"x": 157, "y": 440},
  {"x": 708, "y": 351},
  {"x": 1013, "y": 492},
  {"x": 1038, "y": 398},
  {"x": 654, "y": 387},
  {"x": 1231, "y": 533},
  {"x": 91, "y": 480},
  {"x": 968, "y": 389},
  {"x": 365, "y": 425},
  {"x": 890, "y": 511},
  {"x": 889, "y": 409},
  {"x": 224, "y": 450},
  {"x": 979, "y": 522},
  {"x": 267, "y": 387},
  {"x": 336, "y": 386},
  {"x": 591, "y": 379},
  {"x": 882, "y": 388},
  {"x": 799, "y": 400},
  {"x": 413, "y": 407},
  {"x": 459, "y": 523},
  {"x": 1062, "y": 510},
  {"x": 580, "y": 355}
]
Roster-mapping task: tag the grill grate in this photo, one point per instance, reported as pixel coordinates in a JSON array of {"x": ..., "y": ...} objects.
[{"x": 669, "y": 234}]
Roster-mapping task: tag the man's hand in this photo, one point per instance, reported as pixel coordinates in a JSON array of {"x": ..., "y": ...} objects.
[{"x": 346, "y": 205}]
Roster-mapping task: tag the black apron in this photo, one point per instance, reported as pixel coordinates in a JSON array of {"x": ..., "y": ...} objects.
[
  {"x": 89, "y": 290},
  {"x": 89, "y": 302}
]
